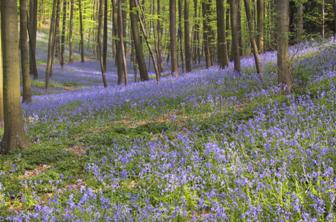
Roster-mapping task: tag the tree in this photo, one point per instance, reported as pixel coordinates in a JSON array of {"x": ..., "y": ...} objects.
[
  {"x": 187, "y": 37},
  {"x": 252, "y": 38},
  {"x": 172, "y": 31},
  {"x": 32, "y": 30},
  {"x": 63, "y": 32},
  {"x": 137, "y": 42},
  {"x": 206, "y": 32},
  {"x": 1, "y": 78},
  {"x": 81, "y": 30},
  {"x": 284, "y": 74},
  {"x": 51, "y": 43},
  {"x": 99, "y": 43},
  {"x": 235, "y": 34},
  {"x": 260, "y": 24},
  {"x": 72, "y": 4},
  {"x": 14, "y": 135},
  {"x": 222, "y": 54},
  {"x": 26, "y": 82}
]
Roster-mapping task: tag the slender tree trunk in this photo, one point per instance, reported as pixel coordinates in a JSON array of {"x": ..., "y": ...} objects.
[
  {"x": 221, "y": 38},
  {"x": 157, "y": 72},
  {"x": 159, "y": 34},
  {"x": 235, "y": 34},
  {"x": 140, "y": 57},
  {"x": 32, "y": 37},
  {"x": 252, "y": 39},
  {"x": 117, "y": 43},
  {"x": 99, "y": 44},
  {"x": 180, "y": 34},
  {"x": 206, "y": 32},
  {"x": 172, "y": 27},
  {"x": 299, "y": 22},
  {"x": 284, "y": 74},
  {"x": 26, "y": 82},
  {"x": 260, "y": 22},
  {"x": 14, "y": 135},
  {"x": 105, "y": 36},
  {"x": 323, "y": 19},
  {"x": 1, "y": 78},
  {"x": 72, "y": 4},
  {"x": 196, "y": 34},
  {"x": 57, "y": 30},
  {"x": 81, "y": 30},
  {"x": 334, "y": 20},
  {"x": 51, "y": 43},
  {"x": 121, "y": 34},
  {"x": 63, "y": 32},
  {"x": 187, "y": 36}
]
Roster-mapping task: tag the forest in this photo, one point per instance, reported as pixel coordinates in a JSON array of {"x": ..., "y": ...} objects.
[{"x": 168, "y": 110}]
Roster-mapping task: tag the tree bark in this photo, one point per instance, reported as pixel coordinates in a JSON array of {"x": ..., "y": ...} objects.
[
  {"x": 221, "y": 38},
  {"x": 105, "y": 36},
  {"x": 140, "y": 57},
  {"x": 172, "y": 28},
  {"x": 252, "y": 39},
  {"x": 51, "y": 43},
  {"x": 235, "y": 34},
  {"x": 99, "y": 43},
  {"x": 206, "y": 32},
  {"x": 26, "y": 82},
  {"x": 121, "y": 34},
  {"x": 81, "y": 30},
  {"x": 33, "y": 5},
  {"x": 72, "y": 4},
  {"x": 63, "y": 32},
  {"x": 187, "y": 50},
  {"x": 284, "y": 74},
  {"x": 14, "y": 135},
  {"x": 1, "y": 79},
  {"x": 299, "y": 23},
  {"x": 260, "y": 23}
]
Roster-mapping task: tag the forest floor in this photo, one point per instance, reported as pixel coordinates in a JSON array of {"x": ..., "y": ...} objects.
[{"x": 209, "y": 145}]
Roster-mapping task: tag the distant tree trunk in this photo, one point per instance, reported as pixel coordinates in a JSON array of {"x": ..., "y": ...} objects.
[
  {"x": 260, "y": 22},
  {"x": 335, "y": 20},
  {"x": 63, "y": 32},
  {"x": 252, "y": 39},
  {"x": 159, "y": 34},
  {"x": 1, "y": 79},
  {"x": 239, "y": 25},
  {"x": 221, "y": 38},
  {"x": 157, "y": 72},
  {"x": 172, "y": 28},
  {"x": 72, "y": 4},
  {"x": 187, "y": 50},
  {"x": 180, "y": 33},
  {"x": 105, "y": 36},
  {"x": 51, "y": 43},
  {"x": 14, "y": 135},
  {"x": 99, "y": 44},
  {"x": 206, "y": 32},
  {"x": 57, "y": 30},
  {"x": 121, "y": 34},
  {"x": 81, "y": 30},
  {"x": 119, "y": 61},
  {"x": 196, "y": 54},
  {"x": 299, "y": 22},
  {"x": 284, "y": 74},
  {"x": 26, "y": 82},
  {"x": 32, "y": 37},
  {"x": 235, "y": 34},
  {"x": 140, "y": 57}
]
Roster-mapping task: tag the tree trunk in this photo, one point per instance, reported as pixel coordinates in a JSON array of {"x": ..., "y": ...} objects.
[
  {"x": 26, "y": 82},
  {"x": 172, "y": 28},
  {"x": 235, "y": 34},
  {"x": 284, "y": 74},
  {"x": 180, "y": 34},
  {"x": 32, "y": 37},
  {"x": 159, "y": 34},
  {"x": 63, "y": 32},
  {"x": 299, "y": 23},
  {"x": 260, "y": 23},
  {"x": 206, "y": 32},
  {"x": 105, "y": 36},
  {"x": 14, "y": 135},
  {"x": 1, "y": 79},
  {"x": 72, "y": 4},
  {"x": 51, "y": 43},
  {"x": 221, "y": 38},
  {"x": 117, "y": 43},
  {"x": 187, "y": 37},
  {"x": 121, "y": 34},
  {"x": 140, "y": 57},
  {"x": 252, "y": 39},
  {"x": 57, "y": 30},
  {"x": 81, "y": 30},
  {"x": 99, "y": 44}
]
